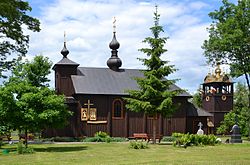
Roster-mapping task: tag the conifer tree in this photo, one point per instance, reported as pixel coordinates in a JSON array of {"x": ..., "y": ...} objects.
[{"x": 154, "y": 96}]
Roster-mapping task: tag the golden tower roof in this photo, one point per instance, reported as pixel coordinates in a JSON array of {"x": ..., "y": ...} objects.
[{"x": 217, "y": 76}]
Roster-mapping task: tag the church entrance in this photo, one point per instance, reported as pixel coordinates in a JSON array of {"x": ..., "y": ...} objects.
[{"x": 118, "y": 119}]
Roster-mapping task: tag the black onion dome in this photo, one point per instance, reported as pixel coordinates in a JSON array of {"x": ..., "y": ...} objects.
[
  {"x": 114, "y": 44},
  {"x": 114, "y": 63},
  {"x": 64, "y": 51}
]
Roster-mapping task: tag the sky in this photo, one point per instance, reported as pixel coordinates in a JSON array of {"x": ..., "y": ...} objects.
[{"x": 89, "y": 28}]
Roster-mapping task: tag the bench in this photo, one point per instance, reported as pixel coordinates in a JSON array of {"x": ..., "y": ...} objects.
[
  {"x": 141, "y": 136},
  {"x": 147, "y": 137},
  {"x": 5, "y": 137},
  {"x": 30, "y": 137}
]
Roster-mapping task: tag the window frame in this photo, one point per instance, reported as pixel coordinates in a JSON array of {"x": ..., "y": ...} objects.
[{"x": 113, "y": 109}]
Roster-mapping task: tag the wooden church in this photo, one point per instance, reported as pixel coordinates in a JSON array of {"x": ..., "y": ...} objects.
[{"x": 95, "y": 96}]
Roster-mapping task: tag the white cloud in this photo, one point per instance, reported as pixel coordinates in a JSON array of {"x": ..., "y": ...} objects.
[{"x": 88, "y": 25}]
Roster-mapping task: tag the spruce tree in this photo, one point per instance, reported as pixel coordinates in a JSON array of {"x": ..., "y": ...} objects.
[{"x": 154, "y": 96}]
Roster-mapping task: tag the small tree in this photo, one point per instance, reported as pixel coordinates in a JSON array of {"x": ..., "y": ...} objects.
[
  {"x": 197, "y": 99},
  {"x": 229, "y": 39},
  {"x": 26, "y": 104},
  {"x": 13, "y": 17},
  {"x": 154, "y": 95}
]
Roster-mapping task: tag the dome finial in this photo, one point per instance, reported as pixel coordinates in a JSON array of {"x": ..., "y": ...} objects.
[
  {"x": 64, "y": 51},
  {"x": 114, "y": 27},
  {"x": 64, "y": 36}
]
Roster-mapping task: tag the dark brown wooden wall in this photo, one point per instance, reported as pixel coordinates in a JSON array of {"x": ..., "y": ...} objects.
[
  {"x": 216, "y": 104},
  {"x": 132, "y": 122},
  {"x": 63, "y": 82}
]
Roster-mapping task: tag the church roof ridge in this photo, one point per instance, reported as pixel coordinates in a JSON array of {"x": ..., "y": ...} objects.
[{"x": 109, "y": 68}]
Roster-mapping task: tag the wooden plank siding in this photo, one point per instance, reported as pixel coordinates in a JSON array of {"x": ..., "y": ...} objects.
[{"x": 131, "y": 122}]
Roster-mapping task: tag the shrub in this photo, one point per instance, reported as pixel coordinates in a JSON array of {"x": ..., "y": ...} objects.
[
  {"x": 107, "y": 139},
  {"x": 168, "y": 139},
  {"x": 118, "y": 139},
  {"x": 99, "y": 137},
  {"x": 90, "y": 139},
  {"x": 1, "y": 143},
  {"x": 22, "y": 150},
  {"x": 185, "y": 140},
  {"x": 101, "y": 134},
  {"x": 138, "y": 145}
]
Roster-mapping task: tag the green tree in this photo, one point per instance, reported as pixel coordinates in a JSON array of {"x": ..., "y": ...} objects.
[
  {"x": 27, "y": 105},
  {"x": 34, "y": 72},
  {"x": 197, "y": 99},
  {"x": 13, "y": 17},
  {"x": 154, "y": 95},
  {"x": 229, "y": 39},
  {"x": 240, "y": 110}
]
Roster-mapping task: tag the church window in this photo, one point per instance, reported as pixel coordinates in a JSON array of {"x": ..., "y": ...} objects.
[
  {"x": 207, "y": 98},
  {"x": 117, "y": 109},
  {"x": 224, "y": 97}
]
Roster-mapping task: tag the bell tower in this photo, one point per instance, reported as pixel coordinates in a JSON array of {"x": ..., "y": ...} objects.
[
  {"x": 63, "y": 71},
  {"x": 217, "y": 95}
]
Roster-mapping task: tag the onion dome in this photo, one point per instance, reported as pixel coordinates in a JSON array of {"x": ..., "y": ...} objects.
[
  {"x": 114, "y": 44},
  {"x": 114, "y": 62},
  {"x": 64, "y": 51}
]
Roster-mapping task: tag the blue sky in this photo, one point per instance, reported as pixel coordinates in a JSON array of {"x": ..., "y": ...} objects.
[{"x": 88, "y": 25}]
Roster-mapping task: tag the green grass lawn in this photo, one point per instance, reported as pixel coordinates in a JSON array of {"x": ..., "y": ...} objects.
[{"x": 119, "y": 153}]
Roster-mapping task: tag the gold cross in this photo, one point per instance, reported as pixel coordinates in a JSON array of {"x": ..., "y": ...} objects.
[
  {"x": 64, "y": 36},
  {"x": 88, "y": 104},
  {"x": 114, "y": 21}
]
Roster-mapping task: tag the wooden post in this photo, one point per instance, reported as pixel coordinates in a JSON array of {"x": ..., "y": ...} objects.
[
  {"x": 160, "y": 125},
  {"x": 26, "y": 138},
  {"x": 154, "y": 129},
  {"x": 109, "y": 125},
  {"x": 126, "y": 124},
  {"x": 144, "y": 123}
]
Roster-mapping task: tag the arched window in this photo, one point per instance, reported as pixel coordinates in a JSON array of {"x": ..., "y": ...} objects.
[{"x": 117, "y": 109}]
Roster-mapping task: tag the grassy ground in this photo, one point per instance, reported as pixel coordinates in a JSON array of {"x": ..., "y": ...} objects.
[{"x": 119, "y": 153}]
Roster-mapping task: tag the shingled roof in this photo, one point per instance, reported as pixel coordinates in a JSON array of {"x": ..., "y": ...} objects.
[
  {"x": 65, "y": 61},
  {"x": 193, "y": 111},
  {"x": 105, "y": 81}
]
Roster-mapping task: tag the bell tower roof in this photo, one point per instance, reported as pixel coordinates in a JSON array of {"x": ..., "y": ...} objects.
[{"x": 217, "y": 76}]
